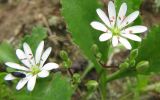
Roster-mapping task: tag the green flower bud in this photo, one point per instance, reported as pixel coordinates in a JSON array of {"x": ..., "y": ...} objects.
[
  {"x": 96, "y": 51},
  {"x": 76, "y": 78},
  {"x": 95, "y": 48},
  {"x": 142, "y": 67},
  {"x": 132, "y": 63},
  {"x": 63, "y": 55},
  {"x": 133, "y": 54},
  {"x": 91, "y": 84},
  {"x": 124, "y": 65}
]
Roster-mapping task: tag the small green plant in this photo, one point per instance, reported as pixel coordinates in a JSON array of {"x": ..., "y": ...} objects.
[{"x": 98, "y": 35}]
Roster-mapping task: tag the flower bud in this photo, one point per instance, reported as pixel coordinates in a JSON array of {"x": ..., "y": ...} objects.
[
  {"x": 76, "y": 78},
  {"x": 96, "y": 51},
  {"x": 92, "y": 84},
  {"x": 63, "y": 55},
  {"x": 133, "y": 54},
  {"x": 142, "y": 67},
  {"x": 124, "y": 65}
]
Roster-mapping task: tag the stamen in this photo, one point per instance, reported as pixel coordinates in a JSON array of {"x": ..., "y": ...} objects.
[
  {"x": 24, "y": 59},
  {"x": 130, "y": 31},
  {"x": 113, "y": 17},
  {"x": 124, "y": 17},
  {"x": 31, "y": 57},
  {"x": 118, "y": 40},
  {"x": 111, "y": 21}
]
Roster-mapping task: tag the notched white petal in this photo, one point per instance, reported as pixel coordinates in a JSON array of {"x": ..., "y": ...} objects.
[
  {"x": 122, "y": 13},
  {"x": 115, "y": 41},
  {"x": 132, "y": 37},
  {"x": 28, "y": 53},
  {"x": 39, "y": 52},
  {"x": 45, "y": 55},
  {"x": 20, "y": 54},
  {"x": 103, "y": 17},
  {"x": 105, "y": 36},
  {"x": 125, "y": 42},
  {"x": 43, "y": 74},
  {"x": 99, "y": 26},
  {"x": 112, "y": 13},
  {"x": 31, "y": 83},
  {"x": 9, "y": 77},
  {"x": 50, "y": 66},
  {"x": 21, "y": 83},
  {"x": 129, "y": 19},
  {"x": 135, "y": 29},
  {"x": 16, "y": 66}
]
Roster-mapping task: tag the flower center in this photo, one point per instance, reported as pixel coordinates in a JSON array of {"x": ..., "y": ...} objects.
[
  {"x": 35, "y": 70},
  {"x": 116, "y": 31}
]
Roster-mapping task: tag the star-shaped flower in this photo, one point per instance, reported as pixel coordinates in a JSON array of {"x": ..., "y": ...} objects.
[
  {"x": 114, "y": 27},
  {"x": 32, "y": 67}
]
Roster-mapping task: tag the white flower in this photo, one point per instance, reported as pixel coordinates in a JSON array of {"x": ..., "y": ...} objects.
[
  {"x": 33, "y": 67},
  {"x": 114, "y": 28}
]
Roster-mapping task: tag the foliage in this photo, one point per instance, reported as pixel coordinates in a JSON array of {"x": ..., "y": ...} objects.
[
  {"x": 78, "y": 16},
  {"x": 38, "y": 34},
  {"x": 56, "y": 87}
]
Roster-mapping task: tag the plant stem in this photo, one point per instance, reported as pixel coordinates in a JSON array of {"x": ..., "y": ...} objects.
[
  {"x": 103, "y": 85},
  {"x": 87, "y": 70},
  {"x": 121, "y": 73}
]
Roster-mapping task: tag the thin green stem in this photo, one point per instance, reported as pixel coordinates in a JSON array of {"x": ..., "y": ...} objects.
[
  {"x": 87, "y": 70},
  {"x": 121, "y": 73}
]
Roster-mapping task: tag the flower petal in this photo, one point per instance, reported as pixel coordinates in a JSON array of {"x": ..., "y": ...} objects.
[
  {"x": 129, "y": 19},
  {"x": 16, "y": 66},
  {"x": 22, "y": 82},
  {"x": 28, "y": 53},
  {"x": 132, "y": 37},
  {"x": 31, "y": 83},
  {"x": 9, "y": 77},
  {"x": 20, "y": 54},
  {"x": 99, "y": 26},
  {"x": 50, "y": 66},
  {"x": 125, "y": 43},
  {"x": 115, "y": 41},
  {"x": 39, "y": 52},
  {"x": 105, "y": 36},
  {"x": 112, "y": 13},
  {"x": 45, "y": 56},
  {"x": 103, "y": 17},
  {"x": 122, "y": 13},
  {"x": 43, "y": 74},
  {"x": 135, "y": 29}
]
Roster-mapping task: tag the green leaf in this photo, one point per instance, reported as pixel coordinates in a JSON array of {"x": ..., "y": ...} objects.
[
  {"x": 56, "y": 88},
  {"x": 38, "y": 34},
  {"x": 150, "y": 50},
  {"x": 7, "y": 53},
  {"x": 132, "y": 5},
  {"x": 78, "y": 15}
]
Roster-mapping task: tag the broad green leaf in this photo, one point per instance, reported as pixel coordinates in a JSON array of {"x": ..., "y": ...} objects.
[
  {"x": 78, "y": 15},
  {"x": 7, "y": 53},
  {"x": 38, "y": 34},
  {"x": 56, "y": 88},
  {"x": 150, "y": 49},
  {"x": 131, "y": 5}
]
